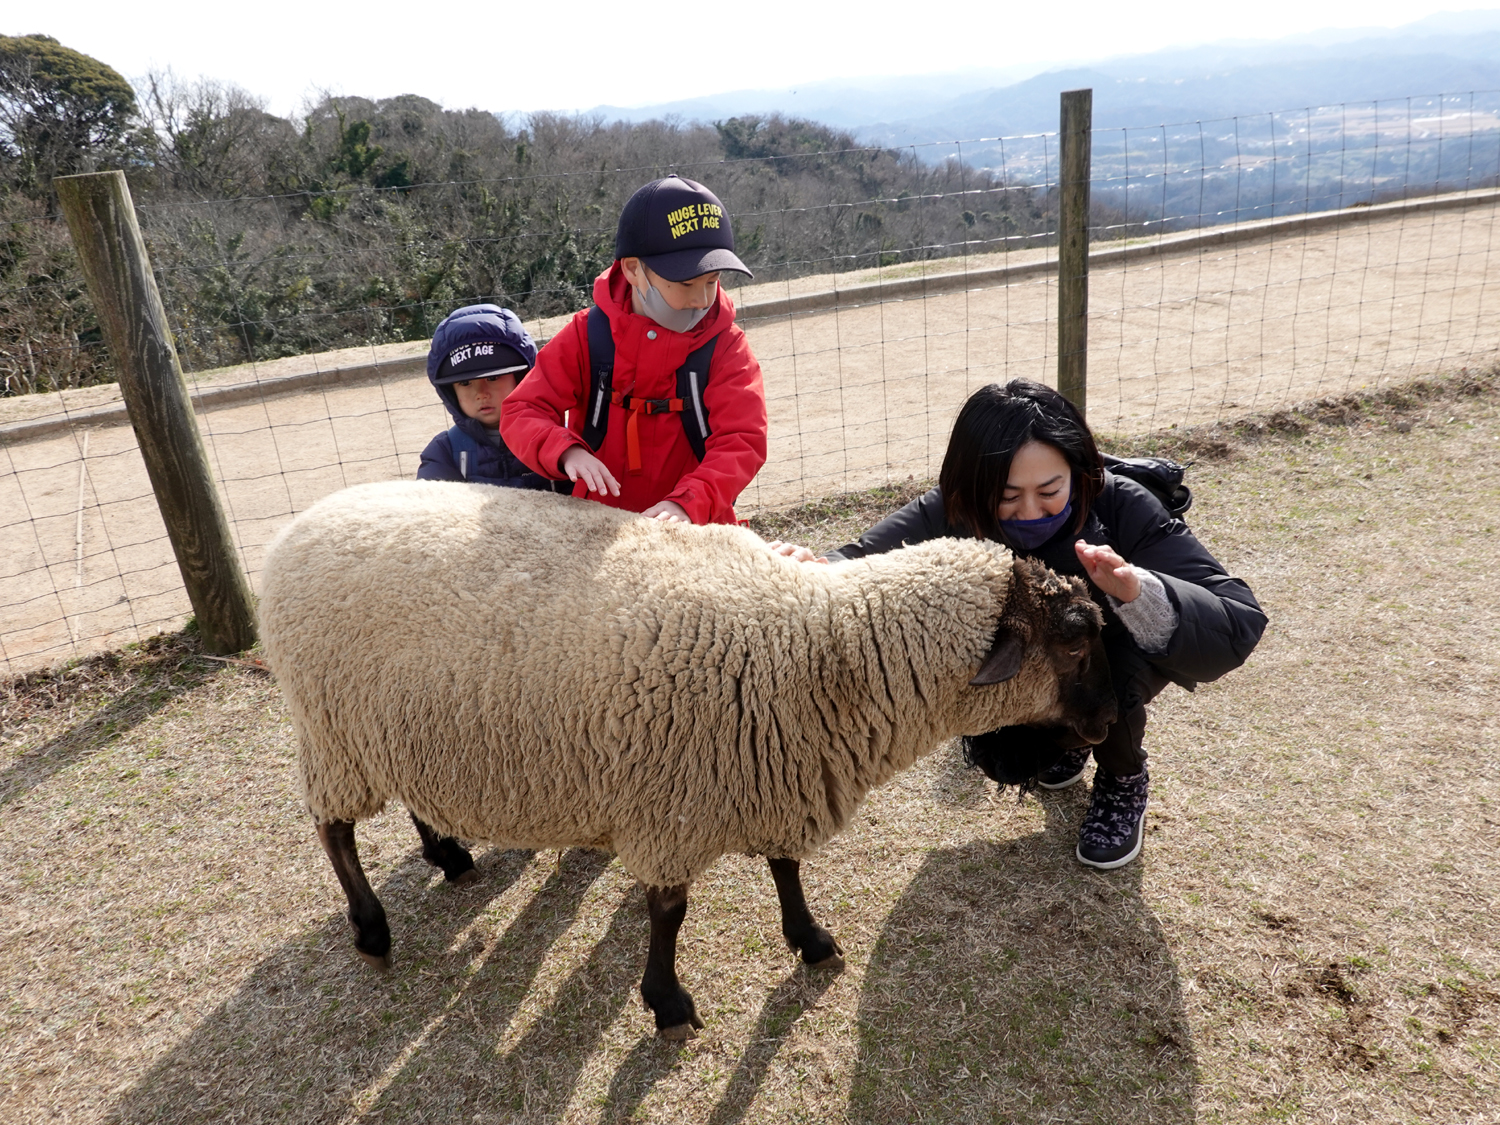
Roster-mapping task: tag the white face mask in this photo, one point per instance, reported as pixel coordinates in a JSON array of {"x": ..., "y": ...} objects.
[{"x": 655, "y": 306}]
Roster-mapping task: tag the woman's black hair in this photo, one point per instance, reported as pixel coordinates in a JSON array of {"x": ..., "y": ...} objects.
[
  {"x": 993, "y": 424},
  {"x": 1015, "y": 755}
]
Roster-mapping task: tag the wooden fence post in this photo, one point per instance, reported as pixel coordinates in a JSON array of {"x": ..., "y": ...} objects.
[
  {"x": 102, "y": 220},
  {"x": 1074, "y": 169}
]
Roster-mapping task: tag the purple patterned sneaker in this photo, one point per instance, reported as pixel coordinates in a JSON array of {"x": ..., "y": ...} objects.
[
  {"x": 1067, "y": 770},
  {"x": 1115, "y": 823}
]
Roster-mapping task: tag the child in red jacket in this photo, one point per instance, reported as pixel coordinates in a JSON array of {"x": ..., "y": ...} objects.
[{"x": 652, "y": 400}]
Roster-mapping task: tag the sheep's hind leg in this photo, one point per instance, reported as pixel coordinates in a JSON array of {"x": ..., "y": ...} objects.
[
  {"x": 804, "y": 935},
  {"x": 676, "y": 1016},
  {"x": 372, "y": 936},
  {"x": 447, "y": 853}
]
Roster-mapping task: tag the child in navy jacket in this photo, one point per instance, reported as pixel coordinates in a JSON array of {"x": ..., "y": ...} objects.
[{"x": 478, "y": 355}]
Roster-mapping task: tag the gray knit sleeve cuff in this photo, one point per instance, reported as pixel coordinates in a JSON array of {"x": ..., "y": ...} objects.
[{"x": 1150, "y": 618}]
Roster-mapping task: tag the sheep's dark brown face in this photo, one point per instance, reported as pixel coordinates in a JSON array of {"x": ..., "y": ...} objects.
[
  {"x": 1075, "y": 649},
  {"x": 1055, "y": 614}
]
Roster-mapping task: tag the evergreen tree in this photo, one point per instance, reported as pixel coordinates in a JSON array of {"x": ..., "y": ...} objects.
[{"x": 61, "y": 112}]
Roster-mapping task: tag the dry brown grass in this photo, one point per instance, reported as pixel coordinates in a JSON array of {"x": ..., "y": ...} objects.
[{"x": 1308, "y": 936}]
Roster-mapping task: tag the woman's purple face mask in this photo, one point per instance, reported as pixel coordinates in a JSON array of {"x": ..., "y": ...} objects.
[{"x": 1030, "y": 534}]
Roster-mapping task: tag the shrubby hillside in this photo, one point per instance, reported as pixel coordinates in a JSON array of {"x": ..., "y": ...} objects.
[{"x": 367, "y": 221}]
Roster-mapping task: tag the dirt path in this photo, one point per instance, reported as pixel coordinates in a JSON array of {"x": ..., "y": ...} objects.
[{"x": 857, "y": 396}]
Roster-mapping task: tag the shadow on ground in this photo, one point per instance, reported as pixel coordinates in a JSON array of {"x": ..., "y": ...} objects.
[
  {"x": 1009, "y": 984},
  {"x": 535, "y": 1076},
  {"x": 1012, "y": 984},
  {"x": 313, "y": 1032},
  {"x": 314, "y": 1035},
  {"x": 157, "y": 681}
]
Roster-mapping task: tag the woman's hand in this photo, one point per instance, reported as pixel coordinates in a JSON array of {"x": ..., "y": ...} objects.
[
  {"x": 792, "y": 551},
  {"x": 1107, "y": 570},
  {"x": 667, "y": 511},
  {"x": 579, "y": 462}
]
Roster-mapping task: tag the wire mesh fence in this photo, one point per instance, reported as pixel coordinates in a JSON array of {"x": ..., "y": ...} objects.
[{"x": 1238, "y": 266}]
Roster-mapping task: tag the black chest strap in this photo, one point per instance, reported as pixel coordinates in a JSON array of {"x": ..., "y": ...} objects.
[{"x": 692, "y": 379}]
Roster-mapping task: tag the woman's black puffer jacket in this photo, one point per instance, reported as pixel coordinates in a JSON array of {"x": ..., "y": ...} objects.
[{"x": 1219, "y": 622}]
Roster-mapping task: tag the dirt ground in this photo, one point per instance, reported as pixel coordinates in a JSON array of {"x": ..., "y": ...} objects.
[
  {"x": 1308, "y": 935},
  {"x": 857, "y": 396}
]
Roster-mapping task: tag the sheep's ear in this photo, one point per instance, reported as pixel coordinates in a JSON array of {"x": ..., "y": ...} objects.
[{"x": 1003, "y": 662}]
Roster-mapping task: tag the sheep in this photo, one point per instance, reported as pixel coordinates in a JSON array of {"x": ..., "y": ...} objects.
[{"x": 534, "y": 671}]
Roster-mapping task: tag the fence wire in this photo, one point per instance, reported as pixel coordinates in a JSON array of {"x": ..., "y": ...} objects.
[{"x": 1217, "y": 289}]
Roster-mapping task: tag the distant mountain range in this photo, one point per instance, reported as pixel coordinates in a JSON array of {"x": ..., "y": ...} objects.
[
  {"x": 1452, "y": 52},
  {"x": 842, "y": 102},
  {"x": 1189, "y": 136}
]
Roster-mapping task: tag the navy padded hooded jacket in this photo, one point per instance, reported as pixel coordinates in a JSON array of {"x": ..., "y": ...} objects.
[{"x": 484, "y": 458}]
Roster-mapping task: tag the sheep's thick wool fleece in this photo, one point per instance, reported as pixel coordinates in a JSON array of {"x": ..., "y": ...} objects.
[{"x": 536, "y": 671}]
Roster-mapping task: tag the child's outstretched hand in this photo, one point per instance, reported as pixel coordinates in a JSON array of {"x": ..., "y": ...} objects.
[
  {"x": 667, "y": 511},
  {"x": 579, "y": 462},
  {"x": 792, "y": 551},
  {"x": 1107, "y": 570}
]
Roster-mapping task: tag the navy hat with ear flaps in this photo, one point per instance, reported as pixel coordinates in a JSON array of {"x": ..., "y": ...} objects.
[
  {"x": 679, "y": 229},
  {"x": 478, "y": 341}
]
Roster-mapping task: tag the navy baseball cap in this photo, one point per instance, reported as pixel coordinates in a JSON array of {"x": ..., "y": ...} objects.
[
  {"x": 679, "y": 229},
  {"x": 478, "y": 341}
]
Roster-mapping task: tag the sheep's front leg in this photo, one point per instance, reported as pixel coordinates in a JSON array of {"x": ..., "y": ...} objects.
[
  {"x": 372, "y": 936},
  {"x": 676, "y": 1016},
  {"x": 804, "y": 935},
  {"x": 447, "y": 853}
]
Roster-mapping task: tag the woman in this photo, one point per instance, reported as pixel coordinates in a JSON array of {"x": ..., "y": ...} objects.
[{"x": 1022, "y": 469}]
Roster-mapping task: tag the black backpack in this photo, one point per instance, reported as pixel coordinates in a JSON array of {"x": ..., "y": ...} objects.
[
  {"x": 1160, "y": 476},
  {"x": 692, "y": 377}
]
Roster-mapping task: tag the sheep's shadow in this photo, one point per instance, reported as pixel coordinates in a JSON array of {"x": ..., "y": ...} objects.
[
  {"x": 1012, "y": 983},
  {"x": 535, "y": 1076},
  {"x": 777, "y": 1015},
  {"x": 651, "y": 1059},
  {"x": 313, "y": 1031}
]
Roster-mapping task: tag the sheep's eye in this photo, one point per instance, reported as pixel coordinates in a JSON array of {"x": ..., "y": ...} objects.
[{"x": 1075, "y": 653}]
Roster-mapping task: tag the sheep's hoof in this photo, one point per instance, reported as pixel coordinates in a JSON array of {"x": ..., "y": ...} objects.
[
  {"x": 820, "y": 950},
  {"x": 679, "y": 1007},
  {"x": 464, "y": 878},
  {"x": 379, "y": 964}
]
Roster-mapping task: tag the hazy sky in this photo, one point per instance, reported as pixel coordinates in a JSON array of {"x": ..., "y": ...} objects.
[{"x": 581, "y": 53}]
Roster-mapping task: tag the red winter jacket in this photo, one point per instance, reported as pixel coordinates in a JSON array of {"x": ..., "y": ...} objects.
[{"x": 647, "y": 357}]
